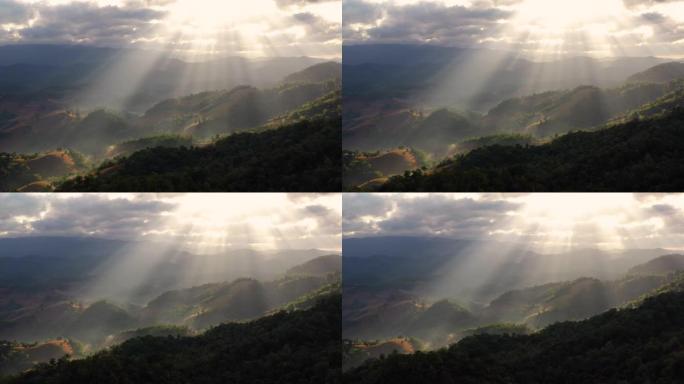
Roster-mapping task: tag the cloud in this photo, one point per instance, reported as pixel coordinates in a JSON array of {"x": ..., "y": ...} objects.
[
  {"x": 422, "y": 22},
  {"x": 290, "y": 3},
  {"x": 90, "y": 23},
  {"x": 541, "y": 221},
  {"x": 318, "y": 28},
  {"x": 443, "y": 215},
  {"x": 360, "y": 12},
  {"x": 260, "y": 28},
  {"x": 238, "y": 220},
  {"x": 13, "y": 12},
  {"x": 533, "y": 27},
  {"x": 637, "y": 3}
]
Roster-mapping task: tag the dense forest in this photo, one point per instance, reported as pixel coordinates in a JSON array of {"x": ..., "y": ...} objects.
[
  {"x": 303, "y": 156},
  {"x": 286, "y": 347},
  {"x": 638, "y": 155},
  {"x": 639, "y": 344}
]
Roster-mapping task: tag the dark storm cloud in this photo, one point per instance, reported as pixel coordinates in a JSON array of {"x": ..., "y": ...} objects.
[
  {"x": 673, "y": 217},
  {"x": 432, "y": 22},
  {"x": 665, "y": 29},
  {"x": 653, "y": 17},
  {"x": 95, "y": 213},
  {"x": 328, "y": 220},
  {"x": 359, "y": 205},
  {"x": 431, "y": 215},
  {"x": 14, "y": 12},
  {"x": 89, "y": 23},
  {"x": 317, "y": 28},
  {"x": 289, "y": 3},
  {"x": 359, "y": 11},
  {"x": 636, "y": 3},
  {"x": 443, "y": 215},
  {"x": 14, "y": 206},
  {"x": 84, "y": 215},
  {"x": 19, "y": 205}
]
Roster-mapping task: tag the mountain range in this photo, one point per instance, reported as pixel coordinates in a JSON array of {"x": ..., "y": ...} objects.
[
  {"x": 530, "y": 124},
  {"x": 635, "y": 344},
  {"x": 48, "y": 136},
  {"x": 423, "y": 303},
  {"x": 54, "y": 311},
  {"x": 432, "y": 292},
  {"x": 308, "y": 339}
]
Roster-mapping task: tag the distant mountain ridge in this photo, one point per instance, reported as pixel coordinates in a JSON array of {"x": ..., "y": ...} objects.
[
  {"x": 457, "y": 76},
  {"x": 662, "y": 73},
  {"x": 75, "y": 69}
]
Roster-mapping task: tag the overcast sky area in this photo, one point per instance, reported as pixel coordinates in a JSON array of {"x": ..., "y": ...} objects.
[
  {"x": 545, "y": 221},
  {"x": 259, "y": 221},
  {"x": 540, "y": 28},
  {"x": 254, "y": 28}
]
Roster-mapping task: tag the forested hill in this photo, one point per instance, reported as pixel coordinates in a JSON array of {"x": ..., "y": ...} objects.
[
  {"x": 303, "y": 156},
  {"x": 295, "y": 347},
  {"x": 638, "y": 155},
  {"x": 636, "y": 345}
]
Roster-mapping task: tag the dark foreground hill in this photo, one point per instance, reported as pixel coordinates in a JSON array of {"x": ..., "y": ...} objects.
[
  {"x": 302, "y": 156},
  {"x": 638, "y": 155},
  {"x": 635, "y": 345},
  {"x": 295, "y": 347}
]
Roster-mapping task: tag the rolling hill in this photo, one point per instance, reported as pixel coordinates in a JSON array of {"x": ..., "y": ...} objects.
[
  {"x": 535, "y": 310},
  {"x": 30, "y": 315},
  {"x": 303, "y": 156},
  {"x": 405, "y": 300},
  {"x": 295, "y": 347},
  {"x": 199, "y": 125},
  {"x": 362, "y": 167},
  {"x": 320, "y": 266},
  {"x": 36, "y": 172},
  {"x": 545, "y": 119},
  {"x": 316, "y": 74},
  {"x": 541, "y": 116},
  {"x": 662, "y": 73},
  {"x": 659, "y": 266},
  {"x": 631, "y": 345},
  {"x": 18, "y": 357},
  {"x": 638, "y": 155}
]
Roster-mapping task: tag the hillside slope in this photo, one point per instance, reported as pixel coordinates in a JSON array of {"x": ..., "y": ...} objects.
[
  {"x": 635, "y": 345},
  {"x": 303, "y": 156},
  {"x": 638, "y": 155},
  {"x": 661, "y": 73},
  {"x": 295, "y": 347},
  {"x": 316, "y": 73}
]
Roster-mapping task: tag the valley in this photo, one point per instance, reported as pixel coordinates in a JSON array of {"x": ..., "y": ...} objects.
[
  {"x": 523, "y": 120},
  {"x": 58, "y": 316},
  {"x": 416, "y": 305},
  {"x": 231, "y": 284},
  {"x": 523, "y": 286},
  {"x": 53, "y": 131}
]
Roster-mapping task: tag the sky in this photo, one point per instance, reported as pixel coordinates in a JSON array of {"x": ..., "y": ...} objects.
[
  {"x": 600, "y": 28},
  {"x": 549, "y": 222},
  {"x": 253, "y": 28},
  {"x": 256, "y": 221}
]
